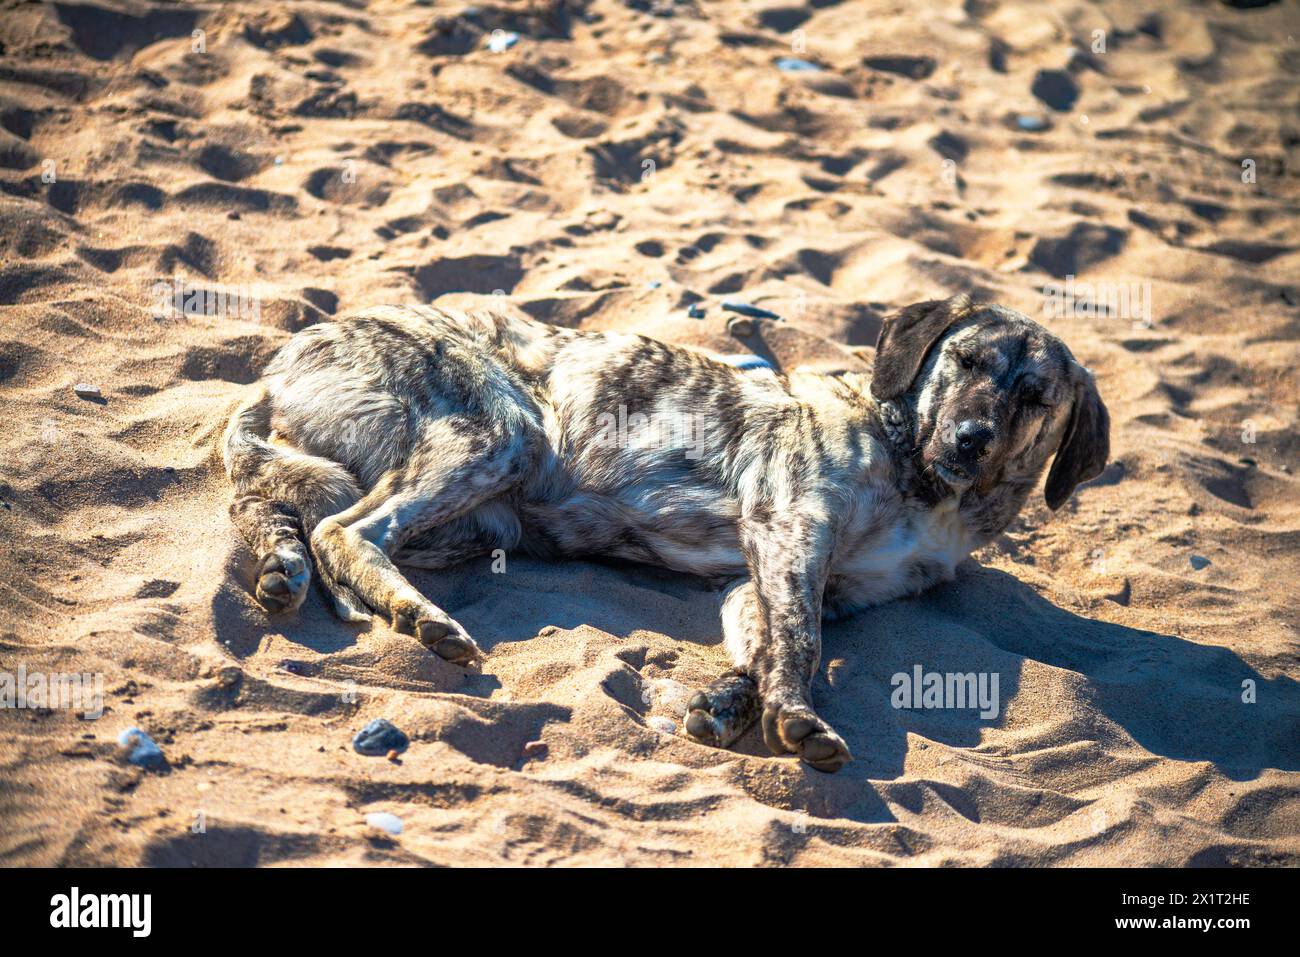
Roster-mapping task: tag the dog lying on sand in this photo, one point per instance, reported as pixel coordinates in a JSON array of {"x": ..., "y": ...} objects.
[{"x": 423, "y": 436}]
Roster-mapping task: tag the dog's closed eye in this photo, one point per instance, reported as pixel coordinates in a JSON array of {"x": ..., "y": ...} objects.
[{"x": 1033, "y": 394}]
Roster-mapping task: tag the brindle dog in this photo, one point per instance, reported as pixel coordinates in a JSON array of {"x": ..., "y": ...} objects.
[{"x": 422, "y": 436}]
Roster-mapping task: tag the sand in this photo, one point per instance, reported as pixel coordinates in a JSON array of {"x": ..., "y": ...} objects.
[{"x": 615, "y": 164}]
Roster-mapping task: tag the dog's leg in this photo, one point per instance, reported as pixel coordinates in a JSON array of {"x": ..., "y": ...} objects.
[
  {"x": 459, "y": 466},
  {"x": 273, "y": 532},
  {"x": 724, "y": 710},
  {"x": 279, "y": 492},
  {"x": 788, "y": 555}
]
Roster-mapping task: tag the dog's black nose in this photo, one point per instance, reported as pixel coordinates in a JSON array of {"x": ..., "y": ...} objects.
[{"x": 973, "y": 439}]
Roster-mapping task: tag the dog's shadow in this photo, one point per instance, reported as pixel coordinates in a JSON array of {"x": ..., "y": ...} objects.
[
  {"x": 1073, "y": 688},
  {"x": 1063, "y": 681}
]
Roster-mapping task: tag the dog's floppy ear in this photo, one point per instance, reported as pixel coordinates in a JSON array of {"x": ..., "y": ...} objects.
[
  {"x": 905, "y": 340},
  {"x": 1086, "y": 444}
]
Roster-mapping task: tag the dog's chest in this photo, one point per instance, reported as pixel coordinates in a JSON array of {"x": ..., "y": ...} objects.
[{"x": 910, "y": 551}]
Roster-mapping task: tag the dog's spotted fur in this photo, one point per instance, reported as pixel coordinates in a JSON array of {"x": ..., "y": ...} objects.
[{"x": 424, "y": 436}]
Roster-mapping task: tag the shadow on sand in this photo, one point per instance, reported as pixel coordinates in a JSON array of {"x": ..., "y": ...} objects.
[{"x": 1175, "y": 698}]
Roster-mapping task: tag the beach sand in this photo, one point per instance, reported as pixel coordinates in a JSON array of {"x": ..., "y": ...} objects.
[{"x": 615, "y": 164}]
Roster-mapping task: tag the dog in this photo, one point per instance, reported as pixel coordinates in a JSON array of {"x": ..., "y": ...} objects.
[{"x": 424, "y": 437}]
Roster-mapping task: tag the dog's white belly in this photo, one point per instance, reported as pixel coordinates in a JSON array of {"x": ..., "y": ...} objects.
[{"x": 915, "y": 552}]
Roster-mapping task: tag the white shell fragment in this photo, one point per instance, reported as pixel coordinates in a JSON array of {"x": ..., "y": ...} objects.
[{"x": 385, "y": 822}]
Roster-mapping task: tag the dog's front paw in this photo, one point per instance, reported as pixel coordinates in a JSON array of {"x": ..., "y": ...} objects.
[
  {"x": 796, "y": 729},
  {"x": 720, "y": 713},
  {"x": 282, "y": 578},
  {"x": 437, "y": 631}
]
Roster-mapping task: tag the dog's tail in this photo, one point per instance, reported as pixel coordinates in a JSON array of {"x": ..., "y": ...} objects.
[{"x": 281, "y": 495}]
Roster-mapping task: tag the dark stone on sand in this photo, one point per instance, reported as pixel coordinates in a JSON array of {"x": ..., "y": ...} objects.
[
  {"x": 745, "y": 309},
  {"x": 380, "y": 737},
  {"x": 1056, "y": 88},
  {"x": 141, "y": 750}
]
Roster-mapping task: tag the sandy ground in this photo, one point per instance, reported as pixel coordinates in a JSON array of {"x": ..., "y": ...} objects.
[{"x": 616, "y": 164}]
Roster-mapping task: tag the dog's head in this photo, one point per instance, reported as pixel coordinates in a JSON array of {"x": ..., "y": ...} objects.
[{"x": 992, "y": 392}]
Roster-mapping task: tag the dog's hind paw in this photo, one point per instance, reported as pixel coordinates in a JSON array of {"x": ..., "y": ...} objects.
[
  {"x": 438, "y": 632},
  {"x": 282, "y": 579},
  {"x": 720, "y": 713},
  {"x": 455, "y": 645},
  {"x": 796, "y": 729}
]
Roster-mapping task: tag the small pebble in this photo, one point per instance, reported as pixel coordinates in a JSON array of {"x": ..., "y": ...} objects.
[
  {"x": 380, "y": 737},
  {"x": 662, "y": 724},
  {"x": 87, "y": 391},
  {"x": 142, "y": 751},
  {"x": 1199, "y": 562},
  {"x": 502, "y": 40},
  {"x": 745, "y": 360},
  {"x": 1031, "y": 124},
  {"x": 385, "y": 822},
  {"x": 535, "y": 749},
  {"x": 745, "y": 309},
  {"x": 791, "y": 64},
  {"x": 695, "y": 311}
]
